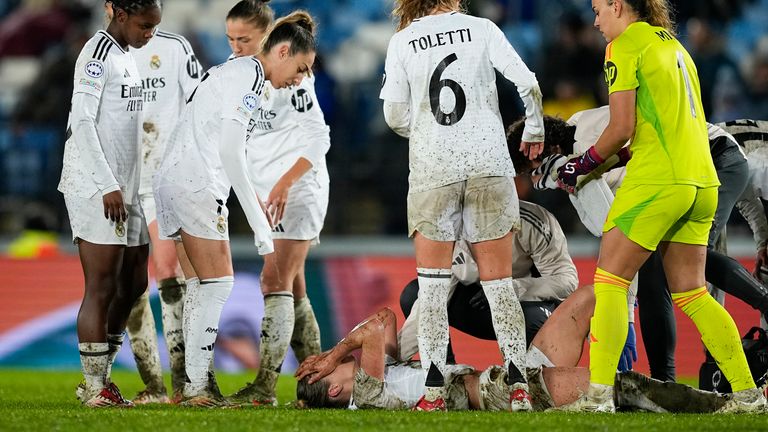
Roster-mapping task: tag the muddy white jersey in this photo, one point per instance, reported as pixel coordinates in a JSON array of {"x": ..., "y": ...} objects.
[
  {"x": 288, "y": 125},
  {"x": 443, "y": 67},
  {"x": 170, "y": 73},
  {"x": 108, "y": 159},
  {"x": 231, "y": 90}
]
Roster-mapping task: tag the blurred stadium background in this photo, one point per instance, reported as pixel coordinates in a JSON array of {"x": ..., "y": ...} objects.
[{"x": 364, "y": 258}]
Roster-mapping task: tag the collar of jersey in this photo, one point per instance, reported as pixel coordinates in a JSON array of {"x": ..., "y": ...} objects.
[{"x": 117, "y": 45}]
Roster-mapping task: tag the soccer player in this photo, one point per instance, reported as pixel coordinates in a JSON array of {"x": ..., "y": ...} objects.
[
  {"x": 286, "y": 148},
  {"x": 544, "y": 276},
  {"x": 170, "y": 73},
  {"x": 100, "y": 183},
  {"x": 439, "y": 91},
  {"x": 335, "y": 379},
  {"x": 205, "y": 157},
  {"x": 668, "y": 197},
  {"x": 657, "y": 320}
]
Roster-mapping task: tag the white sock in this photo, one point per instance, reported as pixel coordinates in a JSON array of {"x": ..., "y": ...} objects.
[
  {"x": 203, "y": 319},
  {"x": 94, "y": 359},
  {"x": 192, "y": 288},
  {"x": 115, "y": 342},
  {"x": 508, "y": 321},
  {"x": 172, "y": 291},
  {"x": 434, "y": 286},
  {"x": 306, "y": 333},
  {"x": 143, "y": 336},
  {"x": 276, "y": 329}
]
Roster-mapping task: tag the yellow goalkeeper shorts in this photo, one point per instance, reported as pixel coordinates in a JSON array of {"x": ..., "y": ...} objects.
[{"x": 650, "y": 214}]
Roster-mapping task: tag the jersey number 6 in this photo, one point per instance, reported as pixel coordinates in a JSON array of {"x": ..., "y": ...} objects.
[{"x": 436, "y": 85}]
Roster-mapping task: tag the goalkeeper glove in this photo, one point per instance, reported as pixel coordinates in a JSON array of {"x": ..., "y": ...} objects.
[{"x": 629, "y": 353}]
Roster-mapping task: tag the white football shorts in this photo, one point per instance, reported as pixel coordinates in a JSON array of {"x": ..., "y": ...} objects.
[
  {"x": 305, "y": 211},
  {"x": 478, "y": 209},
  {"x": 199, "y": 214},
  {"x": 86, "y": 217}
]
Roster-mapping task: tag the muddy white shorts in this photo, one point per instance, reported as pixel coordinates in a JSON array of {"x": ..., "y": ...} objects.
[
  {"x": 305, "y": 211},
  {"x": 86, "y": 217},
  {"x": 200, "y": 214},
  {"x": 478, "y": 209}
]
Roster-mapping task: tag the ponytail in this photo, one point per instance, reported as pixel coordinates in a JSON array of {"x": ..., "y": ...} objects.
[
  {"x": 408, "y": 10},
  {"x": 255, "y": 12},
  {"x": 298, "y": 28}
]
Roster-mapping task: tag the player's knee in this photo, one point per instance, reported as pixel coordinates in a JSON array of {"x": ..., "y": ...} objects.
[{"x": 408, "y": 296}]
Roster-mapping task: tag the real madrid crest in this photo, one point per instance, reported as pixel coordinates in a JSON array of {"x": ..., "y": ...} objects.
[
  {"x": 221, "y": 225},
  {"x": 120, "y": 229},
  {"x": 154, "y": 63}
]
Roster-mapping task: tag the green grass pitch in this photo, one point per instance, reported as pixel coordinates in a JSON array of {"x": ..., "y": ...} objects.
[{"x": 44, "y": 401}]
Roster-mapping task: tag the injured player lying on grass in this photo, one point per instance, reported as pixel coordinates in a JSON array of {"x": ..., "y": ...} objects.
[{"x": 336, "y": 379}]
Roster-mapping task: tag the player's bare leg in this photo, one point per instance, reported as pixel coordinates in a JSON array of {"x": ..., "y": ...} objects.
[
  {"x": 277, "y": 327},
  {"x": 433, "y": 267},
  {"x": 560, "y": 340},
  {"x": 211, "y": 263}
]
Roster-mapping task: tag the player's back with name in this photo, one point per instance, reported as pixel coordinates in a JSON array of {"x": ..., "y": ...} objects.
[{"x": 449, "y": 37}]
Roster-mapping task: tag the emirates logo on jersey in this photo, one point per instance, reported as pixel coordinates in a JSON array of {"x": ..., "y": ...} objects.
[{"x": 154, "y": 62}]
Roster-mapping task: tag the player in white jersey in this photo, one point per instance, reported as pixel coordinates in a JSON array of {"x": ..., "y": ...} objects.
[
  {"x": 205, "y": 157},
  {"x": 100, "y": 182},
  {"x": 170, "y": 73},
  {"x": 439, "y": 91},
  {"x": 287, "y": 142}
]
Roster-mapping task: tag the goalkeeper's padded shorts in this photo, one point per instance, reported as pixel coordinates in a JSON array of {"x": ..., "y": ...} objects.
[{"x": 650, "y": 214}]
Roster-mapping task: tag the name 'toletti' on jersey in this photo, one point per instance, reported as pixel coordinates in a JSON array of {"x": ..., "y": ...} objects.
[
  {"x": 107, "y": 72},
  {"x": 170, "y": 72},
  {"x": 443, "y": 66}
]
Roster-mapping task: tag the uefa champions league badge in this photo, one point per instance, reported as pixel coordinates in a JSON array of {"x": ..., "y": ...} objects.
[
  {"x": 94, "y": 69},
  {"x": 154, "y": 62},
  {"x": 221, "y": 225},
  {"x": 250, "y": 101},
  {"x": 120, "y": 229}
]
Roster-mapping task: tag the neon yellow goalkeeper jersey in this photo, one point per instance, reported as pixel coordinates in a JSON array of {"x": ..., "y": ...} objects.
[{"x": 670, "y": 145}]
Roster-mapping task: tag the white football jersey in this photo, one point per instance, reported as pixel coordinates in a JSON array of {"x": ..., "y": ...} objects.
[
  {"x": 231, "y": 90},
  {"x": 443, "y": 67},
  {"x": 289, "y": 124},
  {"x": 107, "y": 72},
  {"x": 170, "y": 73}
]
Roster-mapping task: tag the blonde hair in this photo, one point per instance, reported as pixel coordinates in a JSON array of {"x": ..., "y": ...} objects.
[
  {"x": 654, "y": 12},
  {"x": 298, "y": 28},
  {"x": 408, "y": 10}
]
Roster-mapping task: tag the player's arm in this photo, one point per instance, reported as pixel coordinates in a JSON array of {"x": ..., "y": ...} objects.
[
  {"x": 375, "y": 336},
  {"x": 396, "y": 92},
  {"x": 190, "y": 72},
  {"x": 549, "y": 253},
  {"x": 507, "y": 61},
  {"x": 234, "y": 128},
  {"x": 751, "y": 208},
  {"x": 316, "y": 134}
]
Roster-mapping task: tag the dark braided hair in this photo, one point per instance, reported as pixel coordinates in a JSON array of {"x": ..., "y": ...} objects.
[
  {"x": 298, "y": 28},
  {"x": 559, "y": 139},
  {"x": 255, "y": 12},
  {"x": 134, "y": 6}
]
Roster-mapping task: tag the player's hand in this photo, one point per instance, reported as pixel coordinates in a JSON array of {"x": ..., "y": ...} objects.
[
  {"x": 545, "y": 176},
  {"x": 318, "y": 369},
  {"x": 277, "y": 199},
  {"x": 760, "y": 263},
  {"x": 531, "y": 149},
  {"x": 629, "y": 353},
  {"x": 270, "y": 219},
  {"x": 114, "y": 207},
  {"x": 577, "y": 169},
  {"x": 479, "y": 301}
]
